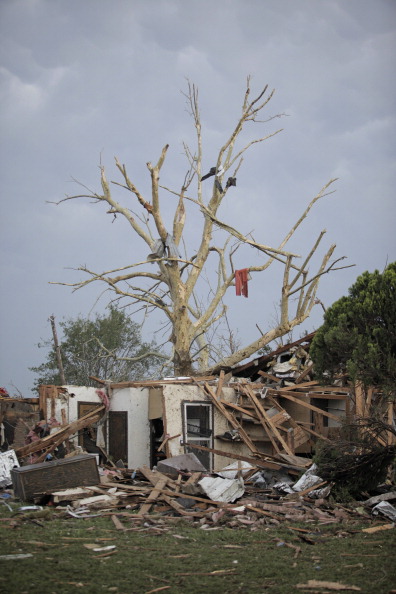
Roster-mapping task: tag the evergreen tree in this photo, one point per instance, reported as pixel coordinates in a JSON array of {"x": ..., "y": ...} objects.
[{"x": 359, "y": 333}]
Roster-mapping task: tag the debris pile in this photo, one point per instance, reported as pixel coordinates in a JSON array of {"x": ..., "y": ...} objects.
[
  {"x": 361, "y": 458},
  {"x": 239, "y": 496},
  {"x": 270, "y": 414}
]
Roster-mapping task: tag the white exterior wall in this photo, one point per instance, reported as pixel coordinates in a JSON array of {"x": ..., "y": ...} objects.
[
  {"x": 132, "y": 400},
  {"x": 69, "y": 403},
  {"x": 135, "y": 402},
  {"x": 173, "y": 396}
]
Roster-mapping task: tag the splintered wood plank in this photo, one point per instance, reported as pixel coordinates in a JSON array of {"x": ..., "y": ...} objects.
[
  {"x": 312, "y": 432},
  {"x": 166, "y": 440},
  {"x": 373, "y": 529},
  {"x": 279, "y": 418},
  {"x": 231, "y": 419},
  {"x": 296, "y": 460},
  {"x": 62, "y": 434},
  {"x": 117, "y": 523},
  {"x": 201, "y": 499},
  {"x": 273, "y": 378},
  {"x": 126, "y": 487},
  {"x": 54, "y": 393},
  {"x": 145, "y": 508},
  {"x": 190, "y": 486},
  {"x": 239, "y": 409},
  {"x": 298, "y": 386},
  {"x": 288, "y": 396},
  {"x": 299, "y": 436},
  {"x": 318, "y": 422},
  {"x": 155, "y": 478},
  {"x": 46, "y": 452},
  {"x": 359, "y": 400},
  {"x": 262, "y": 512},
  {"x": 331, "y": 389},
  {"x": 267, "y": 422},
  {"x": 324, "y": 396},
  {"x": 290, "y": 439},
  {"x": 262, "y": 462},
  {"x": 149, "y": 383},
  {"x": 220, "y": 385},
  {"x": 304, "y": 374}
]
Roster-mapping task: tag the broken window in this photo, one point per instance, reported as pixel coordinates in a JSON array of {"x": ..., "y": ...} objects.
[{"x": 198, "y": 429}]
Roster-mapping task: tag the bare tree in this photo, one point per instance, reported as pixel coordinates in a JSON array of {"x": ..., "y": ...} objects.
[{"x": 173, "y": 285}]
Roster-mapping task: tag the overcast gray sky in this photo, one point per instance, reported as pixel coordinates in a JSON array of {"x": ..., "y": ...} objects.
[{"x": 88, "y": 80}]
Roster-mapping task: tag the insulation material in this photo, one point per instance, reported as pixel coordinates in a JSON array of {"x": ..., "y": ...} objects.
[{"x": 8, "y": 461}]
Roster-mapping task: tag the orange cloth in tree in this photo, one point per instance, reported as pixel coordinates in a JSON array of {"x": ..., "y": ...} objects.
[{"x": 241, "y": 282}]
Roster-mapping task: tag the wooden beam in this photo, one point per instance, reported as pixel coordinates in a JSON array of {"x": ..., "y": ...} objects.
[
  {"x": 163, "y": 382},
  {"x": 155, "y": 478},
  {"x": 165, "y": 442},
  {"x": 231, "y": 419},
  {"x": 331, "y": 389},
  {"x": 239, "y": 409},
  {"x": 260, "y": 462},
  {"x": 60, "y": 436},
  {"x": 273, "y": 354},
  {"x": 299, "y": 435},
  {"x": 304, "y": 374},
  {"x": 298, "y": 387},
  {"x": 220, "y": 385},
  {"x": 290, "y": 439},
  {"x": 288, "y": 396},
  {"x": 323, "y": 396},
  {"x": 318, "y": 422},
  {"x": 266, "y": 421},
  {"x": 145, "y": 508},
  {"x": 269, "y": 376},
  {"x": 312, "y": 432},
  {"x": 359, "y": 400}
]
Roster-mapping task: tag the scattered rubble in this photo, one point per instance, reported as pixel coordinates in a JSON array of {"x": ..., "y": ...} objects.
[
  {"x": 274, "y": 412},
  {"x": 8, "y": 461},
  {"x": 147, "y": 499}
]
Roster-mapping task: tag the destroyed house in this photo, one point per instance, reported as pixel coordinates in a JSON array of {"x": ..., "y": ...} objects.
[{"x": 269, "y": 412}]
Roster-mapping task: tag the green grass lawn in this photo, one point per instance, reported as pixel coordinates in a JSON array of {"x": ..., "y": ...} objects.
[{"x": 176, "y": 557}]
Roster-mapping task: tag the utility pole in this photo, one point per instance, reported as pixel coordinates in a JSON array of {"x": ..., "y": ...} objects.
[{"x": 57, "y": 351}]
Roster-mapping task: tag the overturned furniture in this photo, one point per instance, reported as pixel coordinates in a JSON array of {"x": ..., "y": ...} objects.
[{"x": 35, "y": 480}]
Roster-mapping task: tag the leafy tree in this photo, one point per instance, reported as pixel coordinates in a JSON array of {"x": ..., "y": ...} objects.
[
  {"x": 171, "y": 281},
  {"x": 359, "y": 333},
  {"x": 108, "y": 347}
]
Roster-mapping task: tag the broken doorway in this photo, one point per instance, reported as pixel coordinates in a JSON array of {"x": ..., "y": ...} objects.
[
  {"x": 198, "y": 429},
  {"x": 87, "y": 436}
]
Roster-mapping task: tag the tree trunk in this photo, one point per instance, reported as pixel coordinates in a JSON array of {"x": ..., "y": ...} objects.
[{"x": 182, "y": 337}]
